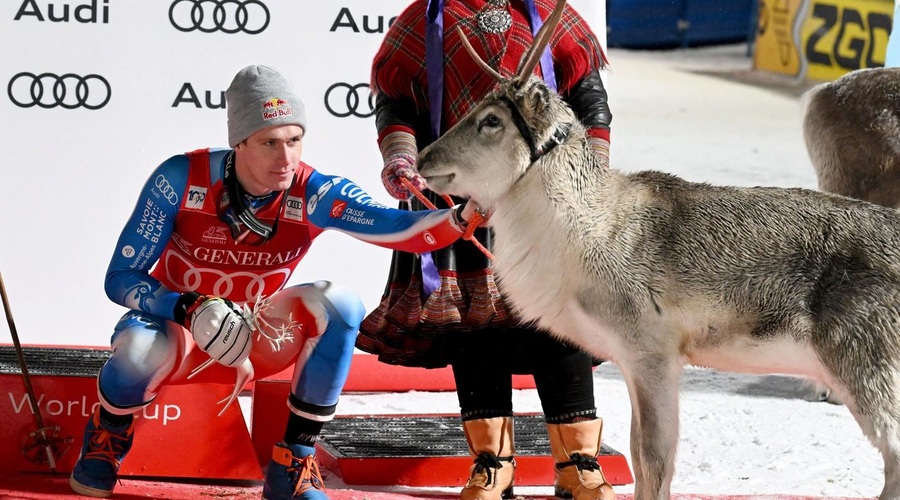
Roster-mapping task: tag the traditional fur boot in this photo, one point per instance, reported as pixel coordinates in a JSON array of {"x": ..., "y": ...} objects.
[
  {"x": 575, "y": 448},
  {"x": 491, "y": 443}
]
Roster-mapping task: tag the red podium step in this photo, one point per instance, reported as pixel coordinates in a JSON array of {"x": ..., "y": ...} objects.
[{"x": 174, "y": 433}]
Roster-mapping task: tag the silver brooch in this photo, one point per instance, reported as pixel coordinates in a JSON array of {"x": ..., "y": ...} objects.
[
  {"x": 494, "y": 20},
  {"x": 498, "y": 3}
]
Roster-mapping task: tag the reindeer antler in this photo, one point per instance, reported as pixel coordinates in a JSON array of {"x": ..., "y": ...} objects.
[
  {"x": 531, "y": 57},
  {"x": 478, "y": 60}
]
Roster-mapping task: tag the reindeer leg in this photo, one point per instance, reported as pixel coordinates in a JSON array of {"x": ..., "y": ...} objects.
[
  {"x": 870, "y": 397},
  {"x": 637, "y": 460},
  {"x": 653, "y": 389},
  {"x": 891, "y": 490},
  {"x": 878, "y": 416}
]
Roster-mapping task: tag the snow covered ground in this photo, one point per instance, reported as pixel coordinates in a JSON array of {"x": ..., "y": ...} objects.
[
  {"x": 740, "y": 434},
  {"x": 703, "y": 115}
]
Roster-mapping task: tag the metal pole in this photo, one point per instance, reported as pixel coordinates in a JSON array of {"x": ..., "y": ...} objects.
[{"x": 43, "y": 440}]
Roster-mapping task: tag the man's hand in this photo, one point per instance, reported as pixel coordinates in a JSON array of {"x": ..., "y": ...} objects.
[
  {"x": 469, "y": 213},
  {"x": 218, "y": 327}
]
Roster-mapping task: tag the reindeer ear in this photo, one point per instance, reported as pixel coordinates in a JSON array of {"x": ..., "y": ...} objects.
[{"x": 540, "y": 99}]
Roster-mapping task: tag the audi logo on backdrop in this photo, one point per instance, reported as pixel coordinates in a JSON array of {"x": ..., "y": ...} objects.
[
  {"x": 228, "y": 16},
  {"x": 69, "y": 91},
  {"x": 343, "y": 100}
]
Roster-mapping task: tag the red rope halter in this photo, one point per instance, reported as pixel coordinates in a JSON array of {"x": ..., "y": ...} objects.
[{"x": 477, "y": 218}]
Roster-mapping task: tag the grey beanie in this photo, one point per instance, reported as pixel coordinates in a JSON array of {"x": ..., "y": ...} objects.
[{"x": 260, "y": 97}]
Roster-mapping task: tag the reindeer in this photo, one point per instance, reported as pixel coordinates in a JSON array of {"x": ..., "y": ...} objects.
[
  {"x": 851, "y": 128},
  {"x": 654, "y": 272},
  {"x": 852, "y": 131}
]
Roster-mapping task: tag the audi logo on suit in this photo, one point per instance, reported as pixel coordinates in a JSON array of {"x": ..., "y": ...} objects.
[
  {"x": 228, "y": 16},
  {"x": 68, "y": 91},
  {"x": 343, "y": 99}
]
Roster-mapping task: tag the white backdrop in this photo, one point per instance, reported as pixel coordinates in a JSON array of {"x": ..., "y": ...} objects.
[{"x": 71, "y": 173}]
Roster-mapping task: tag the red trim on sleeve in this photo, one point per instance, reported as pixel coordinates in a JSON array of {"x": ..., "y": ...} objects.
[
  {"x": 394, "y": 128},
  {"x": 602, "y": 133}
]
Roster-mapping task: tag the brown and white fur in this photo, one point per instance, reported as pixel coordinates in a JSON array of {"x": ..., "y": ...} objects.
[{"x": 653, "y": 272}]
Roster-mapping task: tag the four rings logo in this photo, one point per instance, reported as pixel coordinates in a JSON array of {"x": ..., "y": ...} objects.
[
  {"x": 227, "y": 16},
  {"x": 166, "y": 189},
  {"x": 343, "y": 100},
  {"x": 68, "y": 91}
]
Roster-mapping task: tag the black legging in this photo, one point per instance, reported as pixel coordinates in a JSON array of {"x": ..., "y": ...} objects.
[{"x": 484, "y": 362}]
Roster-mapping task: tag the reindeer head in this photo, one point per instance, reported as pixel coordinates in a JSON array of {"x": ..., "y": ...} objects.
[{"x": 494, "y": 145}]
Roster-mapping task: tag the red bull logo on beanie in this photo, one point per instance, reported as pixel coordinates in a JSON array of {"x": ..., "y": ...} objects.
[{"x": 276, "y": 108}]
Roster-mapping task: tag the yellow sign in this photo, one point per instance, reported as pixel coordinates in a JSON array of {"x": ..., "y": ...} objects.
[
  {"x": 839, "y": 36},
  {"x": 776, "y": 37},
  {"x": 822, "y": 39}
]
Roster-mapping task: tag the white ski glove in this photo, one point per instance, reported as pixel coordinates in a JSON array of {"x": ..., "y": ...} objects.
[{"x": 218, "y": 326}]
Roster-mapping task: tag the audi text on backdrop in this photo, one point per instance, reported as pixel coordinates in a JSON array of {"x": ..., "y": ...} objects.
[
  {"x": 187, "y": 94},
  {"x": 345, "y": 19},
  {"x": 81, "y": 13}
]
